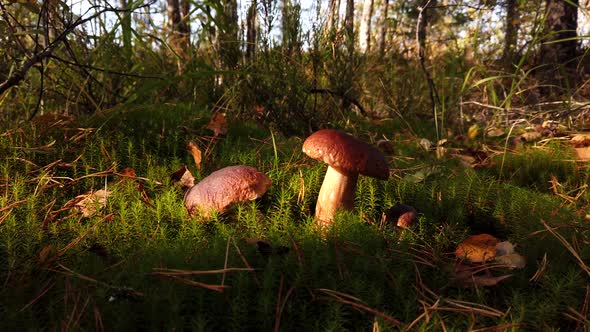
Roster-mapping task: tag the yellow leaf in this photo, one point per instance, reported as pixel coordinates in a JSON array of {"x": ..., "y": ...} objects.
[
  {"x": 194, "y": 150},
  {"x": 473, "y": 131}
]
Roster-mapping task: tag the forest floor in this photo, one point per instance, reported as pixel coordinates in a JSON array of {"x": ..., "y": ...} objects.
[{"x": 94, "y": 234}]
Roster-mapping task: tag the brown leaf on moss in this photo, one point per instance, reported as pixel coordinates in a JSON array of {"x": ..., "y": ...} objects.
[
  {"x": 477, "y": 248},
  {"x": 583, "y": 153},
  {"x": 218, "y": 124},
  {"x": 580, "y": 141},
  {"x": 90, "y": 203},
  {"x": 513, "y": 260},
  {"x": 474, "y": 157},
  {"x": 128, "y": 173},
  {"x": 183, "y": 177},
  {"x": 470, "y": 276},
  {"x": 581, "y": 145},
  {"x": 194, "y": 150},
  {"x": 488, "y": 280}
]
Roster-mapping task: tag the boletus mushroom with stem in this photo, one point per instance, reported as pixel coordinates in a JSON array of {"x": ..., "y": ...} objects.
[
  {"x": 224, "y": 187},
  {"x": 347, "y": 157}
]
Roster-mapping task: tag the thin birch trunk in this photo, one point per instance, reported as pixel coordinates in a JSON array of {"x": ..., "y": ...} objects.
[
  {"x": 382, "y": 28},
  {"x": 365, "y": 27}
]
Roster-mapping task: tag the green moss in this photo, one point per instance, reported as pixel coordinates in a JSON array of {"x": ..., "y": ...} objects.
[{"x": 377, "y": 266}]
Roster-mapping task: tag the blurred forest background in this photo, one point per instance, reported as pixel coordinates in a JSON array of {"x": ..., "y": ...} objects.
[{"x": 299, "y": 65}]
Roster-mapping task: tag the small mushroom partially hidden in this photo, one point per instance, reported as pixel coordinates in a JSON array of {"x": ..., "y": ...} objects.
[
  {"x": 218, "y": 191},
  {"x": 401, "y": 215},
  {"x": 347, "y": 157}
]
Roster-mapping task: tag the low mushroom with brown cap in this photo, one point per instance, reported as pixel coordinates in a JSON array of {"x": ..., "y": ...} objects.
[
  {"x": 218, "y": 191},
  {"x": 347, "y": 157}
]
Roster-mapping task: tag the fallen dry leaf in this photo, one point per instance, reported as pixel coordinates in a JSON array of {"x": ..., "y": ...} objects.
[
  {"x": 477, "y": 248},
  {"x": 583, "y": 153},
  {"x": 468, "y": 276},
  {"x": 473, "y": 131},
  {"x": 90, "y": 203},
  {"x": 489, "y": 280},
  {"x": 183, "y": 177},
  {"x": 494, "y": 132},
  {"x": 504, "y": 248},
  {"x": 513, "y": 260},
  {"x": 127, "y": 172},
  {"x": 144, "y": 196},
  {"x": 425, "y": 144},
  {"x": 218, "y": 124},
  {"x": 441, "y": 151},
  {"x": 580, "y": 141},
  {"x": 474, "y": 157},
  {"x": 531, "y": 136},
  {"x": 194, "y": 150}
]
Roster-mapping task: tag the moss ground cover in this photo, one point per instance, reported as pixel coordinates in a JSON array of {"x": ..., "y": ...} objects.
[{"x": 142, "y": 263}]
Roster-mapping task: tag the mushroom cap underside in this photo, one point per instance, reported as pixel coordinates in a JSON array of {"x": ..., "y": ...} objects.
[{"x": 346, "y": 153}]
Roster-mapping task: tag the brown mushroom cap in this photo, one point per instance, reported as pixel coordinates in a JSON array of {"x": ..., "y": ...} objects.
[
  {"x": 224, "y": 187},
  {"x": 402, "y": 215},
  {"x": 346, "y": 153}
]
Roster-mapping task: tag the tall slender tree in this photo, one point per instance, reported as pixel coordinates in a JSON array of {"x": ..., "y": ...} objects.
[
  {"x": 511, "y": 32},
  {"x": 561, "y": 24},
  {"x": 251, "y": 31},
  {"x": 349, "y": 26},
  {"x": 184, "y": 28},
  {"x": 126, "y": 31},
  {"x": 173, "y": 12},
  {"x": 227, "y": 42},
  {"x": 331, "y": 23},
  {"x": 365, "y": 26},
  {"x": 382, "y": 27},
  {"x": 559, "y": 48}
]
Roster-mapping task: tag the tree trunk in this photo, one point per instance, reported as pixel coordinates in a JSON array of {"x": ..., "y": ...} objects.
[
  {"x": 173, "y": 25},
  {"x": 251, "y": 33},
  {"x": 349, "y": 26},
  {"x": 561, "y": 23},
  {"x": 291, "y": 28},
  {"x": 173, "y": 10},
  {"x": 382, "y": 28},
  {"x": 423, "y": 24},
  {"x": 227, "y": 43},
  {"x": 365, "y": 27},
  {"x": 332, "y": 19},
  {"x": 126, "y": 31},
  {"x": 511, "y": 33},
  {"x": 286, "y": 27},
  {"x": 184, "y": 28},
  {"x": 557, "y": 57}
]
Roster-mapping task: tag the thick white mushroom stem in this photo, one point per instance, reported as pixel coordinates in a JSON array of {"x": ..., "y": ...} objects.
[{"x": 336, "y": 193}]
